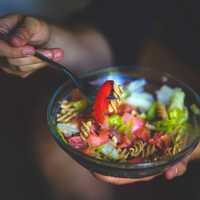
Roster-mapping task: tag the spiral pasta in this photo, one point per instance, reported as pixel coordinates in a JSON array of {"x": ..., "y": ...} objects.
[
  {"x": 149, "y": 150},
  {"x": 137, "y": 148},
  {"x": 162, "y": 111},
  {"x": 178, "y": 146},
  {"x": 67, "y": 112},
  {"x": 123, "y": 154},
  {"x": 85, "y": 129},
  {"x": 114, "y": 103}
]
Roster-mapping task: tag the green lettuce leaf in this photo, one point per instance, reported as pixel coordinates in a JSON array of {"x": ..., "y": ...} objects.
[
  {"x": 151, "y": 113},
  {"x": 175, "y": 123},
  {"x": 177, "y": 99}
]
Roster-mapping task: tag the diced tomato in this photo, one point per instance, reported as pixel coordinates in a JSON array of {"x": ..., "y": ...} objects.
[
  {"x": 96, "y": 140},
  {"x": 127, "y": 117},
  {"x": 136, "y": 121},
  {"x": 101, "y": 101},
  {"x": 143, "y": 134},
  {"x": 125, "y": 142},
  {"x": 125, "y": 108},
  {"x": 76, "y": 142},
  {"x": 166, "y": 140},
  {"x": 88, "y": 151},
  {"x": 137, "y": 124},
  {"x": 162, "y": 141}
]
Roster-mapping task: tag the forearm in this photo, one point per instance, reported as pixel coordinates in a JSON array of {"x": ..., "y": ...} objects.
[{"x": 85, "y": 49}]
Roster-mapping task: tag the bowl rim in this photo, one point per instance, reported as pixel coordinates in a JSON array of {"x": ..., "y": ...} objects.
[{"x": 111, "y": 164}]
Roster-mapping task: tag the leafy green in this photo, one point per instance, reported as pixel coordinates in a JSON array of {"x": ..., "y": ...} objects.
[
  {"x": 179, "y": 115},
  {"x": 115, "y": 120},
  {"x": 151, "y": 113},
  {"x": 176, "y": 122},
  {"x": 177, "y": 99}
]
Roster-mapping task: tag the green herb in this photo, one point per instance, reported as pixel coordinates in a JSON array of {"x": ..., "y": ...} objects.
[
  {"x": 115, "y": 121},
  {"x": 176, "y": 122},
  {"x": 151, "y": 113}
]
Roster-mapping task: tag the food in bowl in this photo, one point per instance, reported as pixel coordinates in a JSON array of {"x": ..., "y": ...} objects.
[{"x": 126, "y": 122}]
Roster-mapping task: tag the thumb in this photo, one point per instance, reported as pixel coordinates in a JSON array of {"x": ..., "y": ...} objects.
[{"x": 32, "y": 31}]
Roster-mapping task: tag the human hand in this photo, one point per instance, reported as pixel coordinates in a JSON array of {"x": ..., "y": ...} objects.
[
  {"x": 18, "y": 52},
  {"x": 174, "y": 171},
  {"x": 177, "y": 170}
]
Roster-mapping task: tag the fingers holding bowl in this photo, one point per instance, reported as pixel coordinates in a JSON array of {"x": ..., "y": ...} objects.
[{"x": 122, "y": 181}]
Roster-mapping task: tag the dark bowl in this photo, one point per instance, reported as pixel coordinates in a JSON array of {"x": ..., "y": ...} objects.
[{"x": 126, "y": 170}]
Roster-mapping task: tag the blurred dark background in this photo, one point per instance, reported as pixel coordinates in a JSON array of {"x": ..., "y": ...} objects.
[{"x": 161, "y": 34}]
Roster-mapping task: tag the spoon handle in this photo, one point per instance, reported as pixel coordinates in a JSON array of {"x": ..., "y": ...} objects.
[{"x": 60, "y": 67}]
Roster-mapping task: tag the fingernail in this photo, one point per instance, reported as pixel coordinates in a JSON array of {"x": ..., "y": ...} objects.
[
  {"x": 58, "y": 55},
  {"x": 27, "y": 51}
]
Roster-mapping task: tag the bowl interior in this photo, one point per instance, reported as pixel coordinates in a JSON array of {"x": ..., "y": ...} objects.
[{"x": 120, "y": 75}]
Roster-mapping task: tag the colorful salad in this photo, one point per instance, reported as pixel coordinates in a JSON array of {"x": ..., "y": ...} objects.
[{"x": 126, "y": 123}]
